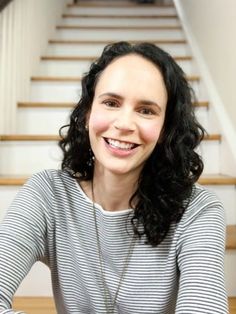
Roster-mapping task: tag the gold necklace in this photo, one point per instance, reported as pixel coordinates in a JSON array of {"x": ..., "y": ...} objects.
[{"x": 108, "y": 298}]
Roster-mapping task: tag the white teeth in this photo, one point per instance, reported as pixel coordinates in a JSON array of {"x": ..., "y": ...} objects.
[{"x": 120, "y": 145}]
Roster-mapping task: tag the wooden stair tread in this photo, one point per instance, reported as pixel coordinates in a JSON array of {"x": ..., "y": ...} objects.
[
  {"x": 29, "y": 137},
  {"x": 105, "y": 42},
  {"x": 49, "y": 137},
  {"x": 217, "y": 180},
  {"x": 13, "y": 180},
  {"x": 119, "y": 16},
  {"x": 204, "y": 180},
  {"x": 92, "y": 58},
  {"x": 232, "y": 305},
  {"x": 204, "y": 104},
  {"x": 190, "y": 78},
  {"x": 45, "y": 105},
  {"x": 56, "y": 78},
  {"x": 114, "y": 27},
  {"x": 119, "y": 4},
  {"x": 231, "y": 237}
]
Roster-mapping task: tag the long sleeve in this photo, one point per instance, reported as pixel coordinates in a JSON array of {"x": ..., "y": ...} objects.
[
  {"x": 201, "y": 261},
  {"x": 22, "y": 241}
]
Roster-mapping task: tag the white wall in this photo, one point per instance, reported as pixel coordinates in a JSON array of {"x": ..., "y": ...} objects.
[
  {"x": 213, "y": 24},
  {"x": 25, "y": 27}
]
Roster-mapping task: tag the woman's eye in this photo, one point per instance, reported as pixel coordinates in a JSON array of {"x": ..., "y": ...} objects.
[
  {"x": 147, "y": 111},
  {"x": 110, "y": 103}
]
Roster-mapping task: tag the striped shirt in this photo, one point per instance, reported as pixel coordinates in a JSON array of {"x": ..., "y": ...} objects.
[{"x": 52, "y": 220}]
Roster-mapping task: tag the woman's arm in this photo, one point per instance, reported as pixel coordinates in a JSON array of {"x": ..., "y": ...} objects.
[
  {"x": 201, "y": 262},
  {"x": 22, "y": 241}
]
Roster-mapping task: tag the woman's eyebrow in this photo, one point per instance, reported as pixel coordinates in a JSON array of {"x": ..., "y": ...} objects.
[
  {"x": 150, "y": 103},
  {"x": 111, "y": 95},
  {"x": 141, "y": 101}
]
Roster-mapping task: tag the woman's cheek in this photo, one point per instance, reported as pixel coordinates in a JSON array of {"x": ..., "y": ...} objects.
[
  {"x": 151, "y": 132},
  {"x": 98, "y": 122}
]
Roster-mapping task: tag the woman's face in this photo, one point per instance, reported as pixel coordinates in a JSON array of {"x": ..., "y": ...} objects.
[{"x": 127, "y": 115}]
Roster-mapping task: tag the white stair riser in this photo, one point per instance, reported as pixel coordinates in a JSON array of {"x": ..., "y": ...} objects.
[
  {"x": 78, "y": 68},
  {"x": 55, "y": 91},
  {"x": 120, "y": 22},
  {"x": 209, "y": 150},
  {"x": 41, "y": 121},
  {"x": 118, "y": 35},
  {"x": 203, "y": 118},
  {"x": 141, "y": 10},
  {"x": 96, "y": 49},
  {"x": 230, "y": 273},
  {"x": 29, "y": 157},
  {"x": 70, "y": 91},
  {"x": 36, "y": 283},
  {"x": 49, "y": 120},
  {"x": 7, "y": 194}
]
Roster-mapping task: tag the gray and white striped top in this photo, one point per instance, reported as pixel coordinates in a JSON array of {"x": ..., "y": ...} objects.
[{"x": 52, "y": 220}]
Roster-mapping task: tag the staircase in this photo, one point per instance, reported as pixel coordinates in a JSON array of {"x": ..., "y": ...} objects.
[{"x": 55, "y": 88}]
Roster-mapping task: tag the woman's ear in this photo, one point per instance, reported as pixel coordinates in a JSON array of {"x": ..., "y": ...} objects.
[{"x": 87, "y": 121}]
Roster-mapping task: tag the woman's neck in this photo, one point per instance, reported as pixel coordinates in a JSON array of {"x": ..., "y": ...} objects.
[{"x": 113, "y": 192}]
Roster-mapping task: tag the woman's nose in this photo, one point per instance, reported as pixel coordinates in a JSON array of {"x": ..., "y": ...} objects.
[{"x": 124, "y": 121}]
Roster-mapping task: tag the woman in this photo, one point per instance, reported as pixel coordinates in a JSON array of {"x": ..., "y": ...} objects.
[{"x": 123, "y": 226}]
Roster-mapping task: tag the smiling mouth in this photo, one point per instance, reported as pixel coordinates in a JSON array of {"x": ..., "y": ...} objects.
[{"x": 120, "y": 145}]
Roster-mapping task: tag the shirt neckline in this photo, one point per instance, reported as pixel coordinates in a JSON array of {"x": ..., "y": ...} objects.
[{"x": 98, "y": 206}]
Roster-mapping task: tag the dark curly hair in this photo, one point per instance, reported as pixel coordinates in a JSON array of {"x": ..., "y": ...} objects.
[{"x": 166, "y": 182}]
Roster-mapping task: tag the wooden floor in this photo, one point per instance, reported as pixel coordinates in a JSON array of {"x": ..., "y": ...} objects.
[{"x": 34, "y": 305}]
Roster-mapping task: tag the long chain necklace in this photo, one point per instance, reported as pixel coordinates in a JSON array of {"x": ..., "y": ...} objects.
[{"x": 108, "y": 298}]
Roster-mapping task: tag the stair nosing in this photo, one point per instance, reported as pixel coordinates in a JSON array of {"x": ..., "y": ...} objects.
[
  {"x": 45, "y": 105},
  {"x": 190, "y": 78},
  {"x": 96, "y": 42},
  {"x": 223, "y": 180},
  {"x": 92, "y": 58},
  {"x": 204, "y": 104},
  {"x": 122, "y": 5},
  {"x": 134, "y": 28},
  {"x": 29, "y": 137},
  {"x": 104, "y": 16},
  {"x": 54, "y": 137}
]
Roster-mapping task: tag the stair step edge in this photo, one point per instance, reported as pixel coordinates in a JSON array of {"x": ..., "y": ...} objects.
[
  {"x": 105, "y": 42},
  {"x": 191, "y": 78},
  {"x": 204, "y": 104},
  {"x": 218, "y": 180},
  {"x": 92, "y": 58},
  {"x": 117, "y": 5},
  {"x": 104, "y": 16},
  {"x": 138, "y": 28},
  {"x": 54, "y": 137}
]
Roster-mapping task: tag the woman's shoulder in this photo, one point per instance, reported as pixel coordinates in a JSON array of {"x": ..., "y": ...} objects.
[
  {"x": 55, "y": 176},
  {"x": 202, "y": 203},
  {"x": 57, "y": 185}
]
